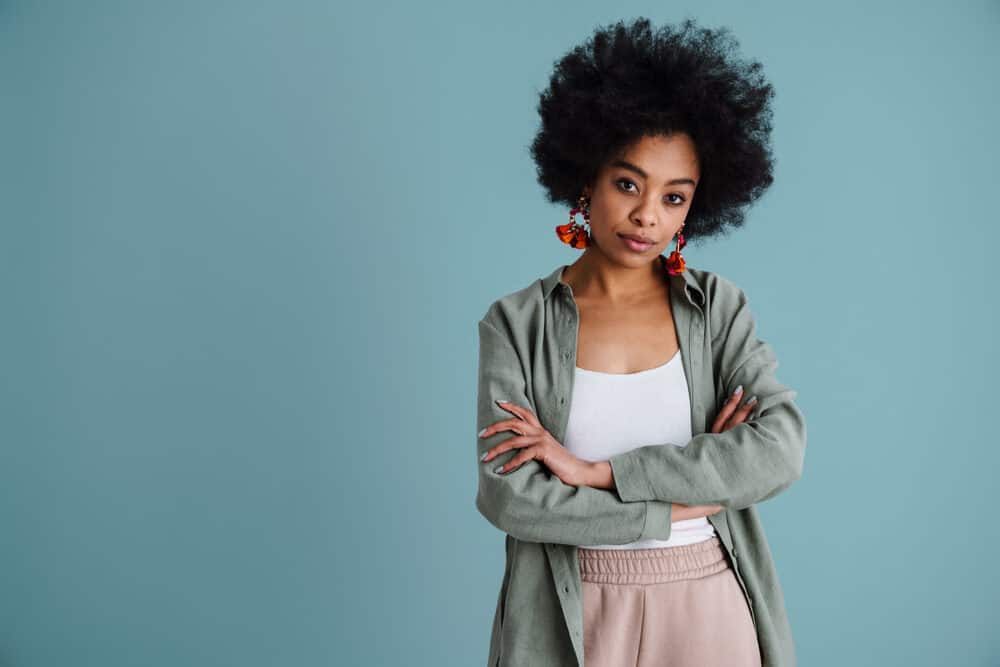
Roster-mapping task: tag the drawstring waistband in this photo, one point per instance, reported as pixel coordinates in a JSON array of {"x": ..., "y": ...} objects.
[{"x": 652, "y": 566}]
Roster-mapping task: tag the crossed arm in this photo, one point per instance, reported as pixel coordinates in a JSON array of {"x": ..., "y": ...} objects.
[{"x": 749, "y": 463}]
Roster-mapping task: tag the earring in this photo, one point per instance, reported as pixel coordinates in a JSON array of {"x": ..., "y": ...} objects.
[
  {"x": 573, "y": 233},
  {"x": 675, "y": 263}
]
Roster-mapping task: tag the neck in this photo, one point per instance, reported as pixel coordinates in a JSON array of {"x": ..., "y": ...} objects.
[{"x": 593, "y": 277}]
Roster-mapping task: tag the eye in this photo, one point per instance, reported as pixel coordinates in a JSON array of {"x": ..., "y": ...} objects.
[
  {"x": 680, "y": 197},
  {"x": 626, "y": 181}
]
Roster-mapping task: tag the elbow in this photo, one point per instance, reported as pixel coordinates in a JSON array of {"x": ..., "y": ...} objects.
[
  {"x": 786, "y": 469},
  {"x": 509, "y": 516},
  {"x": 490, "y": 512},
  {"x": 796, "y": 451},
  {"x": 798, "y": 463},
  {"x": 800, "y": 459},
  {"x": 791, "y": 433},
  {"x": 791, "y": 450},
  {"x": 494, "y": 509},
  {"x": 793, "y": 473}
]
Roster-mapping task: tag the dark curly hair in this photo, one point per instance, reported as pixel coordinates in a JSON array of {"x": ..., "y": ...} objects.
[{"x": 629, "y": 81}]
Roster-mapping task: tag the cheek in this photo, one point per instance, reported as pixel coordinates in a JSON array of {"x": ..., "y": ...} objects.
[{"x": 603, "y": 213}]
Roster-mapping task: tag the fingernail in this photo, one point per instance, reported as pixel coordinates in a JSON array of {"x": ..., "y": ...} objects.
[
  {"x": 500, "y": 402},
  {"x": 751, "y": 400},
  {"x": 480, "y": 434},
  {"x": 497, "y": 469},
  {"x": 738, "y": 390},
  {"x": 483, "y": 457}
]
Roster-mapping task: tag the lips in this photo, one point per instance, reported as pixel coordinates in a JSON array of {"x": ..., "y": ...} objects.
[
  {"x": 636, "y": 243},
  {"x": 637, "y": 239}
]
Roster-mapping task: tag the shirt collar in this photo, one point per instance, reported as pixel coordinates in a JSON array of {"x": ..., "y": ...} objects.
[{"x": 681, "y": 283}]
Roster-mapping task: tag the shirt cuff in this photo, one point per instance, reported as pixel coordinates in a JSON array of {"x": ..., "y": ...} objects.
[
  {"x": 630, "y": 478},
  {"x": 657, "y": 524}
]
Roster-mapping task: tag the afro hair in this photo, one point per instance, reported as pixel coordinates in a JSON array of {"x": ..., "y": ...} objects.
[{"x": 629, "y": 81}]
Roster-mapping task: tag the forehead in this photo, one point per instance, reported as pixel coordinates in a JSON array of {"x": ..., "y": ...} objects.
[{"x": 661, "y": 157}]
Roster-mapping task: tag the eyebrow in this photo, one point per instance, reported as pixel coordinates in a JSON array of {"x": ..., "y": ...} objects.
[{"x": 628, "y": 165}]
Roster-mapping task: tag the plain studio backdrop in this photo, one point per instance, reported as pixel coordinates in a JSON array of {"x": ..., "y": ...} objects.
[{"x": 244, "y": 249}]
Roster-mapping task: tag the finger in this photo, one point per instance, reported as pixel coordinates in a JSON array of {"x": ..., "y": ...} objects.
[
  {"x": 741, "y": 414},
  {"x": 523, "y": 413},
  {"x": 515, "y": 462},
  {"x": 730, "y": 404},
  {"x": 517, "y": 425},
  {"x": 737, "y": 417},
  {"x": 509, "y": 444}
]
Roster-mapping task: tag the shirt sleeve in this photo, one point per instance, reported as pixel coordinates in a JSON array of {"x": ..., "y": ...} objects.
[
  {"x": 743, "y": 465},
  {"x": 530, "y": 503}
]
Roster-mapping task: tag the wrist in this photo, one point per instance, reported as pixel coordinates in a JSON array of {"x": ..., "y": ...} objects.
[{"x": 601, "y": 476}]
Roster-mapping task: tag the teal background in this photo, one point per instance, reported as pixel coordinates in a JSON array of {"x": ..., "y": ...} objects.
[{"x": 244, "y": 249}]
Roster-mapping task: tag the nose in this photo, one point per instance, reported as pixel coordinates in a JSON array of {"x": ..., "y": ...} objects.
[{"x": 645, "y": 213}]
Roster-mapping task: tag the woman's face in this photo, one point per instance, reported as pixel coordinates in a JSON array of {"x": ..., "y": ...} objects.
[{"x": 645, "y": 192}]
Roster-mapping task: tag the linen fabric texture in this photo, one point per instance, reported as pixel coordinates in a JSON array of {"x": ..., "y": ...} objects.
[{"x": 527, "y": 355}]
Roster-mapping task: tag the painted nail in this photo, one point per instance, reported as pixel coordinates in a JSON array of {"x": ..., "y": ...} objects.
[
  {"x": 480, "y": 434},
  {"x": 500, "y": 402},
  {"x": 497, "y": 469},
  {"x": 738, "y": 390},
  {"x": 751, "y": 400},
  {"x": 483, "y": 457}
]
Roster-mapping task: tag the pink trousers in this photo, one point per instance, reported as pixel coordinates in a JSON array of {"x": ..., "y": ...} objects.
[{"x": 668, "y": 607}]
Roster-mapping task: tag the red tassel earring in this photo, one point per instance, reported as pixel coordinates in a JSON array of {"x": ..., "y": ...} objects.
[
  {"x": 573, "y": 233},
  {"x": 675, "y": 263}
]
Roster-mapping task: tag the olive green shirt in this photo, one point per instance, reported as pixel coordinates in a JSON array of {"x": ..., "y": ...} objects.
[{"x": 527, "y": 355}]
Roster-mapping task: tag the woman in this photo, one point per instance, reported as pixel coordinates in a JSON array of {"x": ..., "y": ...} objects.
[{"x": 630, "y": 417}]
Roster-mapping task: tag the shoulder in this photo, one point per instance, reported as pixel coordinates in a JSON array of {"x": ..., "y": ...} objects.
[
  {"x": 720, "y": 293},
  {"x": 519, "y": 311},
  {"x": 523, "y": 310},
  {"x": 725, "y": 305},
  {"x": 727, "y": 311}
]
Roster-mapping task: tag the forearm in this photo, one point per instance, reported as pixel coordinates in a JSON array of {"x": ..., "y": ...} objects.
[
  {"x": 600, "y": 476},
  {"x": 745, "y": 465},
  {"x": 529, "y": 502},
  {"x": 532, "y": 505}
]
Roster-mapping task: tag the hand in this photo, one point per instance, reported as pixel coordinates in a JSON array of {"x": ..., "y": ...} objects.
[
  {"x": 535, "y": 443},
  {"x": 732, "y": 414}
]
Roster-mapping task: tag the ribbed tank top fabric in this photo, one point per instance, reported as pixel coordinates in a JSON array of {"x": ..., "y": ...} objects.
[{"x": 612, "y": 413}]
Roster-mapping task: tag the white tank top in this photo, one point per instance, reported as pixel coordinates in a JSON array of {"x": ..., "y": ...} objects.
[{"x": 612, "y": 413}]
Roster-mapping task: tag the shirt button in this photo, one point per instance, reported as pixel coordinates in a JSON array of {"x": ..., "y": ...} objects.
[
  {"x": 562, "y": 400},
  {"x": 566, "y": 589}
]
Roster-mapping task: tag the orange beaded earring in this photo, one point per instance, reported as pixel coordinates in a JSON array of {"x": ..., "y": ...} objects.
[
  {"x": 573, "y": 233},
  {"x": 675, "y": 263}
]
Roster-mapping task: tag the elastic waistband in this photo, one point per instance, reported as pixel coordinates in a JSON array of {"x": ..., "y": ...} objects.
[{"x": 652, "y": 566}]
